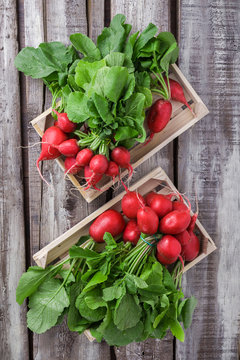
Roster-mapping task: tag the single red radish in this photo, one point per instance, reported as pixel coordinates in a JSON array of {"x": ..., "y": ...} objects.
[
  {"x": 179, "y": 205},
  {"x": 147, "y": 220},
  {"x": 84, "y": 156},
  {"x": 52, "y": 136},
  {"x": 121, "y": 156},
  {"x": 110, "y": 221},
  {"x": 160, "y": 204},
  {"x": 149, "y": 197},
  {"x": 91, "y": 178},
  {"x": 55, "y": 123},
  {"x": 131, "y": 232},
  {"x": 68, "y": 148},
  {"x": 112, "y": 170},
  {"x": 70, "y": 166},
  {"x": 177, "y": 93},
  {"x": 131, "y": 203},
  {"x": 64, "y": 123},
  {"x": 168, "y": 250},
  {"x": 175, "y": 222},
  {"x": 183, "y": 237},
  {"x": 191, "y": 250},
  {"x": 99, "y": 164},
  {"x": 158, "y": 117}
]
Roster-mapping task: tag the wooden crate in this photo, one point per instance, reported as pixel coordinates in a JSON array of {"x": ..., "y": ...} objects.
[
  {"x": 181, "y": 120},
  {"x": 157, "y": 180}
]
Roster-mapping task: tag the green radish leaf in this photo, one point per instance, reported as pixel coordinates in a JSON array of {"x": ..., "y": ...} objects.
[
  {"x": 113, "y": 292},
  {"x": 86, "y": 46},
  {"x": 97, "y": 278},
  {"x": 46, "y": 305},
  {"x": 75, "y": 320},
  {"x": 127, "y": 313},
  {"x": 94, "y": 299},
  {"x": 170, "y": 57},
  {"x": 168, "y": 280},
  {"x": 85, "y": 72},
  {"x": 135, "y": 105},
  {"x": 176, "y": 330},
  {"x": 129, "y": 87},
  {"x": 77, "y": 109},
  {"x": 42, "y": 61},
  {"x": 142, "y": 79},
  {"x": 31, "y": 280},
  {"x": 81, "y": 253},
  {"x": 101, "y": 105},
  {"x": 147, "y": 93},
  {"x": 64, "y": 273},
  {"x": 142, "y": 40},
  {"x": 96, "y": 334},
  {"x": 125, "y": 132},
  {"x": 187, "y": 311},
  {"x": 114, "y": 82},
  {"x": 89, "y": 314},
  {"x": 115, "y": 59},
  {"x": 110, "y": 242},
  {"x": 128, "y": 50},
  {"x": 112, "y": 39}
]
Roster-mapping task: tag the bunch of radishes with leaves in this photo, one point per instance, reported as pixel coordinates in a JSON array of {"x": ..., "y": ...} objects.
[{"x": 104, "y": 90}]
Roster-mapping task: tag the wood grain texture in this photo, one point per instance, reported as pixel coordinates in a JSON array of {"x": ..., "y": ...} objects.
[
  {"x": 209, "y": 160},
  {"x": 13, "y": 331},
  {"x": 57, "y": 208},
  {"x": 140, "y": 13}
]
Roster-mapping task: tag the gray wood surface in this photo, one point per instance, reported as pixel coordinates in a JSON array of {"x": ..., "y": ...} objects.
[
  {"x": 12, "y": 234},
  {"x": 206, "y": 159}
]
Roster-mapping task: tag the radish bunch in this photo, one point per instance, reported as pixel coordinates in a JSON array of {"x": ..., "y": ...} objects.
[
  {"x": 56, "y": 142},
  {"x": 156, "y": 214}
]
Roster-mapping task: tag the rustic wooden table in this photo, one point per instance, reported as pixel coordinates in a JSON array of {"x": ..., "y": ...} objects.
[{"x": 205, "y": 158}]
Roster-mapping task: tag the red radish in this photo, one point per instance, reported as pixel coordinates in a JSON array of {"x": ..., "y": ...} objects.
[
  {"x": 168, "y": 250},
  {"x": 183, "y": 237},
  {"x": 110, "y": 221},
  {"x": 160, "y": 204},
  {"x": 191, "y": 249},
  {"x": 193, "y": 222},
  {"x": 131, "y": 203},
  {"x": 64, "y": 123},
  {"x": 178, "y": 205},
  {"x": 175, "y": 222},
  {"x": 99, "y": 164},
  {"x": 149, "y": 197},
  {"x": 70, "y": 166},
  {"x": 84, "y": 156},
  {"x": 82, "y": 159},
  {"x": 55, "y": 123},
  {"x": 158, "y": 117},
  {"x": 112, "y": 170},
  {"x": 121, "y": 156},
  {"x": 91, "y": 178},
  {"x": 131, "y": 232},
  {"x": 147, "y": 220},
  {"x": 177, "y": 93},
  {"x": 52, "y": 136},
  {"x": 68, "y": 148}
]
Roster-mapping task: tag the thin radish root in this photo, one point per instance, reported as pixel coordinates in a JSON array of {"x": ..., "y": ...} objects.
[
  {"x": 41, "y": 176},
  {"x": 149, "y": 139}
]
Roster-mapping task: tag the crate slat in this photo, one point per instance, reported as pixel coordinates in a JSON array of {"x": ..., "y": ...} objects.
[{"x": 181, "y": 120}]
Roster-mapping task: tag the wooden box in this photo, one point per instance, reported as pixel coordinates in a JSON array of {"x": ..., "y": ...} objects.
[
  {"x": 181, "y": 120},
  {"x": 158, "y": 181}
]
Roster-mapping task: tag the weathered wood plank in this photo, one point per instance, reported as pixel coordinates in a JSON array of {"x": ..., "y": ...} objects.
[
  {"x": 208, "y": 161},
  {"x": 13, "y": 334},
  {"x": 53, "y": 210},
  {"x": 140, "y": 14}
]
